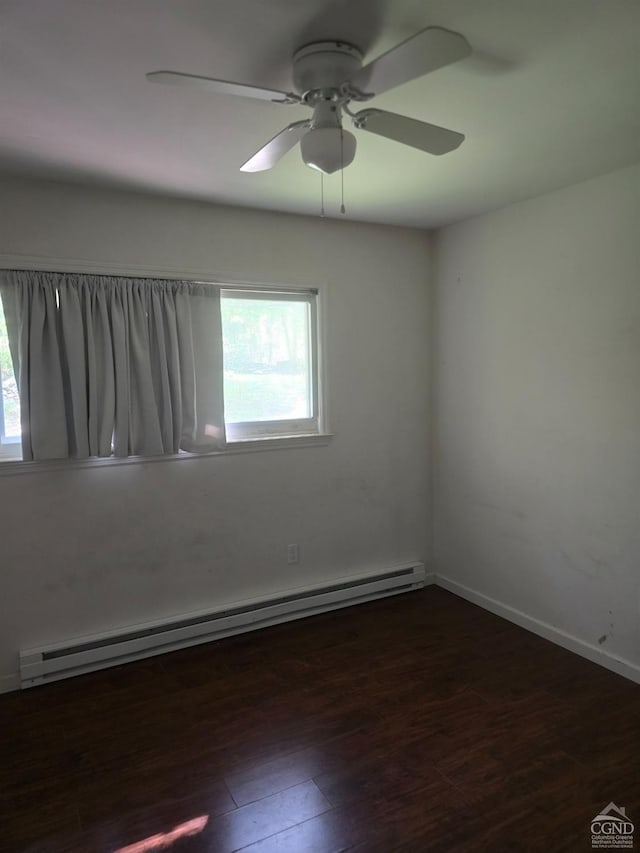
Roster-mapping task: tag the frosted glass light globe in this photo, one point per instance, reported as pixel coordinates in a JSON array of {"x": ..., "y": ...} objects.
[{"x": 328, "y": 149}]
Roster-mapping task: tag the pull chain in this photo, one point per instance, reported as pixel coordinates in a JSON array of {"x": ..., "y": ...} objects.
[
  {"x": 342, "y": 210},
  {"x": 322, "y": 194}
]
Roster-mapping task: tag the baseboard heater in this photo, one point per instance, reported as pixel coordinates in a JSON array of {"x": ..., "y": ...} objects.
[{"x": 87, "y": 654}]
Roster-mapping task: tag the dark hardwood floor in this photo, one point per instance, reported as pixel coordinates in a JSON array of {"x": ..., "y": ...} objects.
[{"x": 415, "y": 723}]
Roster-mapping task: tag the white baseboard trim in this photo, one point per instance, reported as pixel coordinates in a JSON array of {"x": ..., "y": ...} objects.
[{"x": 593, "y": 653}]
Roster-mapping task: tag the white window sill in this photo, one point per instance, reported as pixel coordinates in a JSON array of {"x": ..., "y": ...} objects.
[
  {"x": 277, "y": 442},
  {"x": 288, "y": 442}
]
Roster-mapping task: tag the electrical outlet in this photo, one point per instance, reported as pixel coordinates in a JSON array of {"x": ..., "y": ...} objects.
[{"x": 292, "y": 554}]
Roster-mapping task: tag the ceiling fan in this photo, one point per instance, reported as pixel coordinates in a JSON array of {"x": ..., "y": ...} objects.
[{"x": 328, "y": 76}]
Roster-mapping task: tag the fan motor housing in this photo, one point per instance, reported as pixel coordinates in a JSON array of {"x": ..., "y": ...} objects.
[{"x": 325, "y": 65}]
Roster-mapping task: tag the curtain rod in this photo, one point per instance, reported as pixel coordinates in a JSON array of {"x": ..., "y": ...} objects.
[{"x": 36, "y": 263}]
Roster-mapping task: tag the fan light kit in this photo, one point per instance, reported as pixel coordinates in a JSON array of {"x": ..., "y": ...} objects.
[
  {"x": 327, "y": 77},
  {"x": 328, "y": 149}
]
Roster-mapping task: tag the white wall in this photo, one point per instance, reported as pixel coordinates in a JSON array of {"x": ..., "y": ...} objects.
[
  {"x": 537, "y": 409},
  {"x": 90, "y": 549}
]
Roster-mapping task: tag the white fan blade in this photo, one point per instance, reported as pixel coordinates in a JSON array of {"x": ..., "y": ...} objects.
[
  {"x": 409, "y": 131},
  {"x": 221, "y": 87},
  {"x": 426, "y": 51},
  {"x": 269, "y": 154}
]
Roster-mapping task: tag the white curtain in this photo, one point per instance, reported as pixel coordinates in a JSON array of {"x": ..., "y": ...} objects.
[{"x": 106, "y": 365}]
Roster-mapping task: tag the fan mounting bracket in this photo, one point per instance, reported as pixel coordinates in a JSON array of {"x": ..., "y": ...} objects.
[{"x": 325, "y": 65}]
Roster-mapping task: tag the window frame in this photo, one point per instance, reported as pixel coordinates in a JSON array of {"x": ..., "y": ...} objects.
[
  {"x": 252, "y": 431},
  {"x": 11, "y": 462},
  {"x": 10, "y": 445}
]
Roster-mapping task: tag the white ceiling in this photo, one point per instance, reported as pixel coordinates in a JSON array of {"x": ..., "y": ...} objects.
[{"x": 550, "y": 97}]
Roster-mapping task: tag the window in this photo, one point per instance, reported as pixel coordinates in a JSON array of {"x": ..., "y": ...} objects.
[
  {"x": 270, "y": 348},
  {"x": 9, "y": 401},
  {"x": 265, "y": 375}
]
